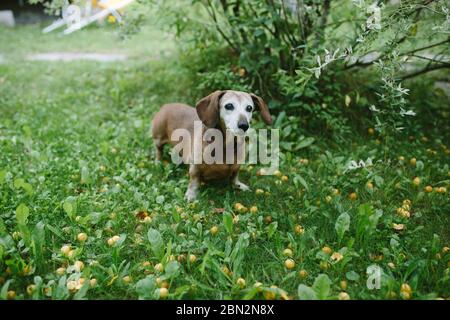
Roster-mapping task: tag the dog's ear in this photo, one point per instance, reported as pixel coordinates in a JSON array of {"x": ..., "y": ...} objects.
[
  {"x": 263, "y": 108},
  {"x": 208, "y": 108}
]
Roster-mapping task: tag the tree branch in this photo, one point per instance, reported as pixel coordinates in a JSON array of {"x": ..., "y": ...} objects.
[{"x": 425, "y": 70}]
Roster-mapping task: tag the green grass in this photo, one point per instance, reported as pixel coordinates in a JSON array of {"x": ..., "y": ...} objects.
[{"x": 75, "y": 148}]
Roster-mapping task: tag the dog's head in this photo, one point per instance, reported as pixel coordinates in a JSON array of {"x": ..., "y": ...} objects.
[{"x": 232, "y": 110}]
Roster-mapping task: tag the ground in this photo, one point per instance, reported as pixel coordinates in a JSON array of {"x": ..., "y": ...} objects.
[{"x": 81, "y": 198}]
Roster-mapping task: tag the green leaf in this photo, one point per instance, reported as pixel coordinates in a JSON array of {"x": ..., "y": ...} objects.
[
  {"x": 22, "y": 213},
  {"x": 18, "y": 183},
  {"x": 80, "y": 295},
  {"x": 342, "y": 224},
  {"x": 68, "y": 208},
  {"x": 302, "y": 181},
  {"x": 156, "y": 242},
  {"x": 4, "y": 291},
  {"x": 160, "y": 199},
  {"x": 145, "y": 288},
  {"x": 272, "y": 228},
  {"x": 352, "y": 276},
  {"x": 228, "y": 222},
  {"x": 322, "y": 286},
  {"x": 305, "y": 143},
  {"x": 2, "y": 176},
  {"x": 38, "y": 243},
  {"x": 279, "y": 120},
  {"x": 2, "y": 226},
  {"x": 306, "y": 293},
  {"x": 172, "y": 269}
]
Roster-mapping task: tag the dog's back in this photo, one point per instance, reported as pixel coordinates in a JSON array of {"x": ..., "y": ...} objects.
[{"x": 180, "y": 116}]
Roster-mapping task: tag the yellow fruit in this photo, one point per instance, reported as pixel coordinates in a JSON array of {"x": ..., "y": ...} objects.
[
  {"x": 442, "y": 190},
  {"x": 284, "y": 178},
  {"x": 226, "y": 271},
  {"x": 303, "y": 273},
  {"x": 192, "y": 258},
  {"x": 259, "y": 191},
  {"x": 277, "y": 173},
  {"x": 369, "y": 185},
  {"x": 413, "y": 161},
  {"x": 214, "y": 230},
  {"x": 159, "y": 267},
  {"x": 163, "y": 293},
  {"x": 31, "y": 288},
  {"x": 82, "y": 237},
  {"x": 343, "y": 296},
  {"x": 71, "y": 285},
  {"x": 343, "y": 285},
  {"x": 126, "y": 279},
  {"x": 328, "y": 199},
  {"x": 371, "y": 131},
  {"x": 289, "y": 264},
  {"x": 324, "y": 265},
  {"x": 327, "y": 250},
  {"x": 147, "y": 220},
  {"x": 416, "y": 181},
  {"x": 288, "y": 252},
  {"x": 181, "y": 258},
  {"x": 238, "y": 206},
  {"x": 241, "y": 282},
  {"x": 304, "y": 161},
  {"x": 445, "y": 249},
  {"x": 391, "y": 265},
  {"x": 65, "y": 249},
  {"x": 401, "y": 158},
  {"x": 78, "y": 266},
  {"x": 336, "y": 256},
  {"x": 254, "y": 209},
  {"x": 11, "y": 295},
  {"x": 298, "y": 229},
  {"x": 405, "y": 291},
  {"x": 268, "y": 219},
  {"x": 353, "y": 196},
  {"x": 269, "y": 295},
  {"x": 60, "y": 271},
  {"x": 258, "y": 284},
  {"x": 92, "y": 282},
  {"x": 428, "y": 189},
  {"x": 398, "y": 226}
]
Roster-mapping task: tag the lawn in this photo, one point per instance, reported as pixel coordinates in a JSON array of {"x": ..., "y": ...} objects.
[{"x": 85, "y": 212}]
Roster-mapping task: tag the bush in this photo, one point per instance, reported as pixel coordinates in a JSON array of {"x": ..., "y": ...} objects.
[{"x": 304, "y": 56}]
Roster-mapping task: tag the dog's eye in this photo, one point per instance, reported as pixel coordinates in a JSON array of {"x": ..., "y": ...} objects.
[
  {"x": 229, "y": 106},
  {"x": 249, "y": 108}
]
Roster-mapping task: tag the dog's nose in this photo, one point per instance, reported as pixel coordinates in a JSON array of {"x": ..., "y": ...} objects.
[{"x": 243, "y": 125}]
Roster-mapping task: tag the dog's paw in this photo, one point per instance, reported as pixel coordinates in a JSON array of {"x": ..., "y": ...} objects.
[
  {"x": 190, "y": 195},
  {"x": 241, "y": 186}
]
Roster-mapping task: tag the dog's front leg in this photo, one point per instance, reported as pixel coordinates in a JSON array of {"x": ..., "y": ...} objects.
[
  {"x": 194, "y": 183},
  {"x": 240, "y": 185}
]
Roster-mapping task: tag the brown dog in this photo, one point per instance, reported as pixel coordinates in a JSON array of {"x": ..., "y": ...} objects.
[{"x": 227, "y": 111}]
